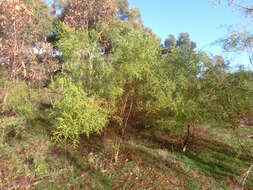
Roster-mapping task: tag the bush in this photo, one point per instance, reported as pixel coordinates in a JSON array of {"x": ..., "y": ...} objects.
[
  {"x": 10, "y": 127},
  {"x": 20, "y": 109},
  {"x": 74, "y": 113},
  {"x": 23, "y": 101}
]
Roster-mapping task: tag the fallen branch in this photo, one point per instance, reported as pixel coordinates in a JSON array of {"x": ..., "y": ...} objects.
[
  {"x": 245, "y": 176},
  {"x": 250, "y": 136}
]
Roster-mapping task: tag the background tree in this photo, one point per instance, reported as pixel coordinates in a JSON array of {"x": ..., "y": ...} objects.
[
  {"x": 239, "y": 40},
  {"x": 42, "y": 21},
  {"x": 123, "y": 8},
  {"x": 84, "y": 13},
  {"x": 183, "y": 41},
  {"x": 171, "y": 41},
  {"x": 15, "y": 30},
  {"x": 22, "y": 29},
  {"x": 244, "y": 6},
  {"x": 126, "y": 13}
]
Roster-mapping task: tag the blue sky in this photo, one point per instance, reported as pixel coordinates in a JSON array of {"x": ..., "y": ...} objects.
[{"x": 204, "y": 21}]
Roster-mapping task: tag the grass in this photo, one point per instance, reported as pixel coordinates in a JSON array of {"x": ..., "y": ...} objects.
[{"x": 30, "y": 160}]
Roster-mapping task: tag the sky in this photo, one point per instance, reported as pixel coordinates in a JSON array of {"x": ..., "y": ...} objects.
[{"x": 202, "y": 19}]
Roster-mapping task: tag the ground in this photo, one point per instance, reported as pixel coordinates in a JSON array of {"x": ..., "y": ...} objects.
[{"x": 29, "y": 159}]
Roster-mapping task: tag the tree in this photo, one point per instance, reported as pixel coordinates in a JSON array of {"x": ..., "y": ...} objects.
[
  {"x": 182, "y": 68},
  {"x": 171, "y": 41},
  {"x": 21, "y": 29},
  {"x": 182, "y": 42},
  {"x": 123, "y": 80},
  {"x": 239, "y": 84},
  {"x": 42, "y": 56},
  {"x": 42, "y": 20},
  {"x": 127, "y": 14},
  {"x": 84, "y": 14},
  {"x": 15, "y": 30},
  {"x": 123, "y": 8},
  {"x": 238, "y": 40},
  {"x": 245, "y": 6}
]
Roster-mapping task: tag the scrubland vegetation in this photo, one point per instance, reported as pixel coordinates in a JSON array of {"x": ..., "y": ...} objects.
[{"x": 92, "y": 99}]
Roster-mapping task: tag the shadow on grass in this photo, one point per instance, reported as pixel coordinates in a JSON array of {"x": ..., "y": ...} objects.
[
  {"x": 150, "y": 158},
  {"x": 208, "y": 156},
  {"x": 220, "y": 166},
  {"x": 75, "y": 159}
]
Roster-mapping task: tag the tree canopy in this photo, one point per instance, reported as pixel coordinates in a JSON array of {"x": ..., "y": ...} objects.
[{"x": 107, "y": 70}]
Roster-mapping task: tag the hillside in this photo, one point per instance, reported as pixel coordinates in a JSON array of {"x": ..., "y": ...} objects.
[
  {"x": 147, "y": 160},
  {"x": 91, "y": 98}
]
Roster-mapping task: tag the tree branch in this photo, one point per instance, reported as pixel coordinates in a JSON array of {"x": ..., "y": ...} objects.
[{"x": 245, "y": 176}]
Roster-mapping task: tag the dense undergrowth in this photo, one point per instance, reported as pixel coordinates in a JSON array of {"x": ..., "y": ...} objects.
[{"x": 147, "y": 160}]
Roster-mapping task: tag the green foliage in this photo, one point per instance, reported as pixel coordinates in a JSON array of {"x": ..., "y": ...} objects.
[
  {"x": 181, "y": 99},
  {"x": 20, "y": 109},
  {"x": 23, "y": 101},
  {"x": 75, "y": 113},
  {"x": 10, "y": 127},
  {"x": 134, "y": 61},
  {"x": 42, "y": 19},
  {"x": 125, "y": 13},
  {"x": 118, "y": 76},
  {"x": 124, "y": 77},
  {"x": 230, "y": 94},
  {"x": 139, "y": 83}
]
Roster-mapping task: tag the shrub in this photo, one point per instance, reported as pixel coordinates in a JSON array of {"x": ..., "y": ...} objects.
[
  {"x": 10, "y": 127},
  {"x": 23, "y": 101},
  {"x": 74, "y": 113}
]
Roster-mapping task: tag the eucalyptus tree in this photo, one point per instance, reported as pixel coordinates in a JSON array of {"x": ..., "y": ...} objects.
[
  {"x": 15, "y": 30},
  {"x": 84, "y": 14},
  {"x": 23, "y": 24}
]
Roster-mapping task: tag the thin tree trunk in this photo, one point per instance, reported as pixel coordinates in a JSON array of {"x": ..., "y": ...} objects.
[
  {"x": 4, "y": 98},
  {"x": 186, "y": 140},
  {"x": 11, "y": 77},
  {"x": 7, "y": 87}
]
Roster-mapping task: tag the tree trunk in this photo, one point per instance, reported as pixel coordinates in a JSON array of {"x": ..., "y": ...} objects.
[
  {"x": 186, "y": 140},
  {"x": 4, "y": 98},
  {"x": 11, "y": 78}
]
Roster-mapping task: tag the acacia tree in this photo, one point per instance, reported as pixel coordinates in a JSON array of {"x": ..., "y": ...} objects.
[
  {"x": 241, "y": 41},
  {"x": 108, "y": 59},
  {"x": 121, "y": 80},
  {"x": 182, "y": 65}
]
